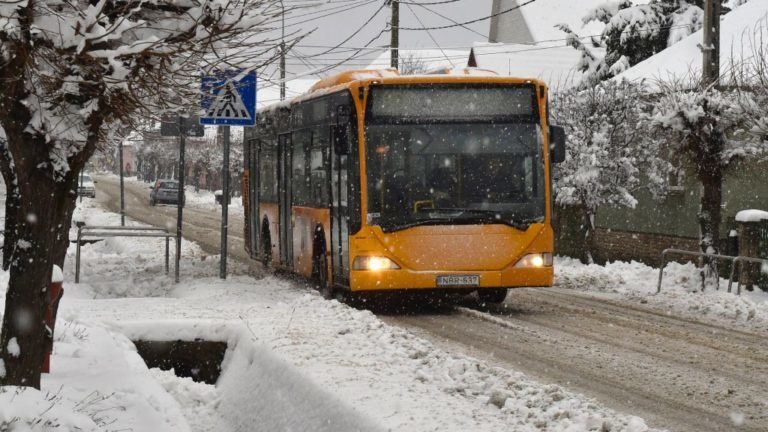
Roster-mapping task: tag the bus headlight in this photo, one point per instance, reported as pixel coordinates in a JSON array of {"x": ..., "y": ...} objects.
[
  {"x": 374, "y": 263},
  {"x": 536, "y": 260}
]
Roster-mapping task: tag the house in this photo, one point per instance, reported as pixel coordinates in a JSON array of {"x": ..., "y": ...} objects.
[
  {"x": 526, "y": 40},
  {"x": 555, "y": 64},
  {"x": 534, "y": 23}
]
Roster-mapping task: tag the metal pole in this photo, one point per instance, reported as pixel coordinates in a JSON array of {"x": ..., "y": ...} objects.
[
  {"x": 122, "y": 186},
  {"x": 77, "y": 255},
  {"x": 282, "y": 53},
  {"x": 395, "y": 34},
  {"x": 224, "y": 204},
  {"x": 711, "y": 45},
  {"x": 167, "y": 248},
  {"x": 180, "y": 197}
]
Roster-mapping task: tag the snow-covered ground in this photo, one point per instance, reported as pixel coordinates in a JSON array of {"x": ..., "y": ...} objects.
[
  {"x": 680, "y": 295},
  {"x": 296, "y": 361}
]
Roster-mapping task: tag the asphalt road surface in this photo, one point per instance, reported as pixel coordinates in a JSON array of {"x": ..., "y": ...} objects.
[{"x": 675, "y": 373}]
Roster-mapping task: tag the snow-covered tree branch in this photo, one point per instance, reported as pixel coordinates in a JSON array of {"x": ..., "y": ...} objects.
[{"x": 607, "y": 148}]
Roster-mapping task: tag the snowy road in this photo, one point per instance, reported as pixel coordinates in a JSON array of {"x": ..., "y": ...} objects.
[
  {"x": 675, "y": 373},
  {"x": 200, "y": 224}
]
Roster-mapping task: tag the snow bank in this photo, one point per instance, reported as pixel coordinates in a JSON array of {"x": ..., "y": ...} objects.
[
  {"x": 257, "y": 387},
  {"x": 751, "y": 216},
  {"x": 29, "y": 410},
  {"x": 681, "y": 292}
]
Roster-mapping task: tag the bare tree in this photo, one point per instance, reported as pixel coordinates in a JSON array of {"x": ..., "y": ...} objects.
[
  {"x": 412, "y": 65},
  {"x": 74, "y": 74}
]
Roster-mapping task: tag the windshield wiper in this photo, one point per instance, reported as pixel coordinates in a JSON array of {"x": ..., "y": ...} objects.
[
  {"x": 493, "y": 216},
  {"x": 521, "y": 225}
]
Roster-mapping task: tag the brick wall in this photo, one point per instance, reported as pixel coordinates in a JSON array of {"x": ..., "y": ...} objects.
[{"x": 616, "y": 245}]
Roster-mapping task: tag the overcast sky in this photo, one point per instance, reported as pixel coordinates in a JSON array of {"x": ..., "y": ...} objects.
[{"x": 348, "y": 18}]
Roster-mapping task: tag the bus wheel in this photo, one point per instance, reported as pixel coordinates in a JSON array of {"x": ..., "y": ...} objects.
[
  {"x": 492, "y": 295},
  {"x": 321, "y": 276}
]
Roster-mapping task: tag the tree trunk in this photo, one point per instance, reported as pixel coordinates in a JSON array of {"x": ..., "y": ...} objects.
[
  {"x": 710, "y": 215},
  {"x": 710, "y": 211},
  {"x": 41, "y": 242},
  {"x": 590, "y": 243},
  {"x": 11, "y": 205},
  {"x": 42, "y": 217}
]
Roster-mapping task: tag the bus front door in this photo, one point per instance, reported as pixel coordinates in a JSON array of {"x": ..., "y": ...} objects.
[
  {"x": 284, "y": 174},
  {"x": 339, "y": 215}
]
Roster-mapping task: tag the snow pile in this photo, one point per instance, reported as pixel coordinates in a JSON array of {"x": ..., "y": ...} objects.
[
  {"x": 29, "y": 410},
  {"x": 681, "y": 292},
  {"x": 751, "y": 216}
]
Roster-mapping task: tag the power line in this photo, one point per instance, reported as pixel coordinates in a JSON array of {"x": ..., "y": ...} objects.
[
  {"x": 368, "y": 21},
  {"x": 449, "y": 19},
  {"x": 428, "y": 3},
  {"x": 429, "y": 33},
  {"x": 470, "y": 21},
  {"x": 330, "y": 12}
]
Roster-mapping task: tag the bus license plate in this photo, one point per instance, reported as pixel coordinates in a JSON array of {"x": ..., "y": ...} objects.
[{"x": 458, "y": 281}]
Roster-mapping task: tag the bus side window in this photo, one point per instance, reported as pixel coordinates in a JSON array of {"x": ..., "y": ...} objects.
[
  {"x": 268, "y": 171},
  {"x": 319, "y": 165},
  {"x": 300, "y": 181}
]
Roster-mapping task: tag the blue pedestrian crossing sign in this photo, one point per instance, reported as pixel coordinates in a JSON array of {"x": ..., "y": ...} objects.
[{"x": 228, "y": 101}]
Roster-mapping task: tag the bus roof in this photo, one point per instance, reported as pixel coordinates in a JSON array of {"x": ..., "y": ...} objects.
[
  {"x": 392, "y": 76},
  {"x": 364, "y": 77}
]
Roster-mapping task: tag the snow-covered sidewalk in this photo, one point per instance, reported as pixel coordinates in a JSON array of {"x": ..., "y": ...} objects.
[
  {"x": 681, "y": 293},
  {"x": 294, "y": 361}
]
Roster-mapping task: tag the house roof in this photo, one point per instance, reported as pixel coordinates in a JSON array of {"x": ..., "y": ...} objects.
[
  {"x": 430, "y": 58},
  {"x": 743, "y": 32},
  {"x": 554, "y": 64},
  {"x": 535, "y": 22}
]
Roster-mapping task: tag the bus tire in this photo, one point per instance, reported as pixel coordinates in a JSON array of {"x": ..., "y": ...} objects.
[
  {"x": 266, "y": 245},
  {"x": 492, "y": 295}
]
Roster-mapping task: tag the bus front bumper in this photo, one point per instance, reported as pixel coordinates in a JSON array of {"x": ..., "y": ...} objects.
[{"x": 403, "y": 279}]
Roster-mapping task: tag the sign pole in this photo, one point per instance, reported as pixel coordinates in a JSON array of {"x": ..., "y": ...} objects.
[
  {"x": 224, "y": 204},
  {"x": 180, "y": 198},
  {"x": 122, "y": 186},
  {"x": 227, "y": 102}
]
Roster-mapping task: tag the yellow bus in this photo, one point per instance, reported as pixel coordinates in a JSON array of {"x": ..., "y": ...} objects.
[{"x": 372, "y": 181}]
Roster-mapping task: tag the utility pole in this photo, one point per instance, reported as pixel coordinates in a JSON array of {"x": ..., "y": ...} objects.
[
  {"x": 395, "y": 33},
  {"x": 282, "y": 53},
  {"x": 122, "y": 185},
  {"x": 711, "y": 46}
]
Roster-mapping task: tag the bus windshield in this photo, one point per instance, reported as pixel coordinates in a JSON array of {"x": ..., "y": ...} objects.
[{"x": 433, "y": 173}]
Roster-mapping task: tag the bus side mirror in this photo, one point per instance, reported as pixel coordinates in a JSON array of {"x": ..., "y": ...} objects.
[
  {"x": 341, "y": 139},
  {"x": 556, "y": 144}
]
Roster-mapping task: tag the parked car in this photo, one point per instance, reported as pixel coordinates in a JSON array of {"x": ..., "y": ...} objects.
[
  {"x": 86, "y": 186},
  {"x": 165, "y": 191}
]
